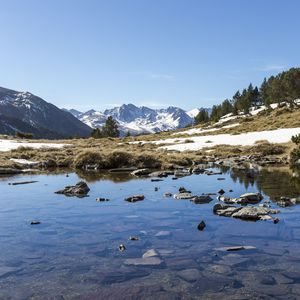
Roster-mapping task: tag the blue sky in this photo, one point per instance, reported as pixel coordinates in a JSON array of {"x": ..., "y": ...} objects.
[{"x": 188, "y": 53}]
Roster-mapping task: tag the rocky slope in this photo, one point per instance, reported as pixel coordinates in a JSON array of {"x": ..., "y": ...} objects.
[{"x": 25, "y": 112}]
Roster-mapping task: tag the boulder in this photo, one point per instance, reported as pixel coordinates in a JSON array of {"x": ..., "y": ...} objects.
[
  {"x": 135, "y": 198},
  {"x": 201, "y": 199},
  {"x": 250, "y": 198},
  {"x": 225, "y": 210},
  {"x": 141, "y": 172},
  {"x": 253, "y": 213},
  {"x": 81, "y": 189},
  {"x": 181, "y": 196}
]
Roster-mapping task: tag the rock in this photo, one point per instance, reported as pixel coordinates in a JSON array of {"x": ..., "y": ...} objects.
[
  {"x": 230, "y": 191},
  {"x": 168, "y": 194},
  {"x": 134, "y": 238},
  {"x": 253, "y": 213},
  {"x": 122, "y": 170},
  {"x": 183, "y": 190},
  {"x": 9, "y": 171},
  {"x": 201, "y": 226},
  {"x": 22, "y": 182},
  {"x": 198, "y": 170},
  {"x": 81, "y": 189},
  {"x": 89, "y": 167},
  {"x": 235, "y": 248},
  {"x": 156, "y": 179},
  {"x": 182, "y": 196},
  {"x": 163, "y": 233},
  {"x": 250, "y": 198},
  {"x": 276, "y": 220},
  {"x": 160, "y": 174},
  {"x": 190, "y": 275},
  {"x": 141, "y": 172},
  {"x": 148, "y": 261},
  {"x": 122, "y": 248},
  {"x": 150, "y": 253},
  {"x": 182, "y": 173},
  {"x": 286, "y": 201},
  {"x": 225, "y": 210},
  {"x": 135, "y": 198},
  {"x": 102, "y": 199},
  {"x": 221, "y": 192},
  {"x": 35, "y": 222},
  {"x": 201, "y": 199},
  {"x": 156, "y": 189},
  {"x": 221, "y": 178}
]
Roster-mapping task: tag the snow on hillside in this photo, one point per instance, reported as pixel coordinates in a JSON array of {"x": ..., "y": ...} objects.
[
  {"x": 243, "y": 139},
  {"x": 7, "y": 145}
]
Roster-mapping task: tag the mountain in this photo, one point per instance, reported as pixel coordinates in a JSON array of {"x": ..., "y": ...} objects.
[
  {"x": 139, "y": 120},
  {"x": 25, "y": 112},
  {"x": 194, "y": 112}
]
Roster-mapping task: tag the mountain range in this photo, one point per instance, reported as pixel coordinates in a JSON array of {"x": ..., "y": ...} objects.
[
  {"x": 27, "y": 113},
  {"x": 139, "y": 120}
]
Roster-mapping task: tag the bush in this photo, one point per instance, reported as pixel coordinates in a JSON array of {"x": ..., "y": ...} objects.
[
  {"x": 295, "y": 157},
  {"x": 88, "y": 158},
  {"x": 24, "y": 135},
  {"x": 118, "y": 159},
  {"x": 296, "y": 139},
  {"x": 268, "y": 149}
]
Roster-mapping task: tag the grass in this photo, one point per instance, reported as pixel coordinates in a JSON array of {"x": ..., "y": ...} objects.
[{"x": 121, "y": 152}]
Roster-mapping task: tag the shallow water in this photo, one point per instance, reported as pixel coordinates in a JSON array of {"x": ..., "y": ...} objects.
[{"x": 73, "y": 253}]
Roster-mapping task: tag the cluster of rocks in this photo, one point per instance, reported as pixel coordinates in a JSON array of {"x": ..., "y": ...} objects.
[
  {"x": 250, "y": 213},
  {"x": 286, "y": 201}
]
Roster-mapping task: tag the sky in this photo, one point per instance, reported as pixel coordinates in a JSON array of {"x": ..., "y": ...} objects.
[{"x": 97, "y": 54}]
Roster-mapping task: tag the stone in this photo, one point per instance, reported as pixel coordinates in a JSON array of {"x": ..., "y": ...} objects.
[
  {"x": 141, "y": 172},
  {"x": 253, "y": 213},
  {"x": 225, "y": 210},
  {"x": 147, "y": 261},
  {"x": 150, "y": 253},
  {"x": 102, "y": 199},
  {"x": 250, "y": 198},
  {"x": 201, "y": 226},
  {"x": 163, "y": 233},
  {"x": 189, "y": 275},
  {"x": 135, "y": 198},
  {"x": 201, "y": 199},
  {"x": 168, "y": 194},
  {"x": 134, "y": 238},
  {"x": 235, "y": 248},
  {"x": 81, "y": 189},
  {"x": 221, "y": 192},
  {"x": 182, "y": 196},
  {"x": 122, "y": 248},
  {"x": 35, "y": 222}
]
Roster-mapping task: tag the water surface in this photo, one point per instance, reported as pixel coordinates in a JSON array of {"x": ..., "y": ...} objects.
[{"x": 73, "y": 253}]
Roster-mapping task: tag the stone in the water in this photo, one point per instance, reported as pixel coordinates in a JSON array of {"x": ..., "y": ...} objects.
[
  {"x": 250, "y": 198},
  {"x": 35, "y": 222},
  {"x": 276, "y": 220},
  {"x": 190, "y": 275},
  {"x": 134, "y": 238},
  {"x": 156, "y": 179},
  {"x": 235, "y": 248},
  {"x": 201, "y": 226},
  {"x": 253, "y": 213},
  {"x": 168, "y": 194},
  {"x": 182, "y": 196},
  {"x": 145, "y": 261},
  {"x": 150, "y": 253},
  {"x": 122, "y": 248},
  {"x": 201, "y": 199},
  {"x": 102, "y": 199},
  {"x": 156, "y": 189},
  {"x": 135, "y": 198},
  {"x": 221, "y": 192},
  {"x": 183, "y": 190},
  {"x": 141, "y": 172},
  {"x": 163, "y": 233},
  {"x": 81, "y": 189}
]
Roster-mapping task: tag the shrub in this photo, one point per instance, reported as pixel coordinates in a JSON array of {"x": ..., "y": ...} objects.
[
  {"x": 24, "y": 135},
  {"x": 296, "y": 139},
  {"x": 295, "y": 157},
  {"x": 88, "y": 158},
  {"x": 118, "y": 159}
]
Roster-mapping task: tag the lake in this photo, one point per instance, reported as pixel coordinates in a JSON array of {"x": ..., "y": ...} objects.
[{"x": 73, "y": 253}]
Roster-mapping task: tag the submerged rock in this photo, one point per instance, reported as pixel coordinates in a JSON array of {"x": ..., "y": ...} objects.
[
  {"x": 201, "y": 199},
  {"x": 189, "y": 275},
  {"x": 168, "y": 194},
  {"x": 147, "y": 261},
  {"x": 35, "y": 222},
  {"x": 81, "y": 189},
  {"x": 135, "y": 198},
  {"x": 150, "y": 253}
]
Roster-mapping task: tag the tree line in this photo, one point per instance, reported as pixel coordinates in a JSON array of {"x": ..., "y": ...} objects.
[{"x": 283, "y": 87}]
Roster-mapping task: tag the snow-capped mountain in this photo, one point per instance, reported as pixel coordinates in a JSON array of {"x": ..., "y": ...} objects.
[
  {"x": 139, "y": 120},
  {"x": 25, "y": 112}
]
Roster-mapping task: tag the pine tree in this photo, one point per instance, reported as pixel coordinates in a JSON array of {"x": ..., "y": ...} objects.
[
  {"x": 202, "y": 116},
  {"x": 110, "y": 129}
]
